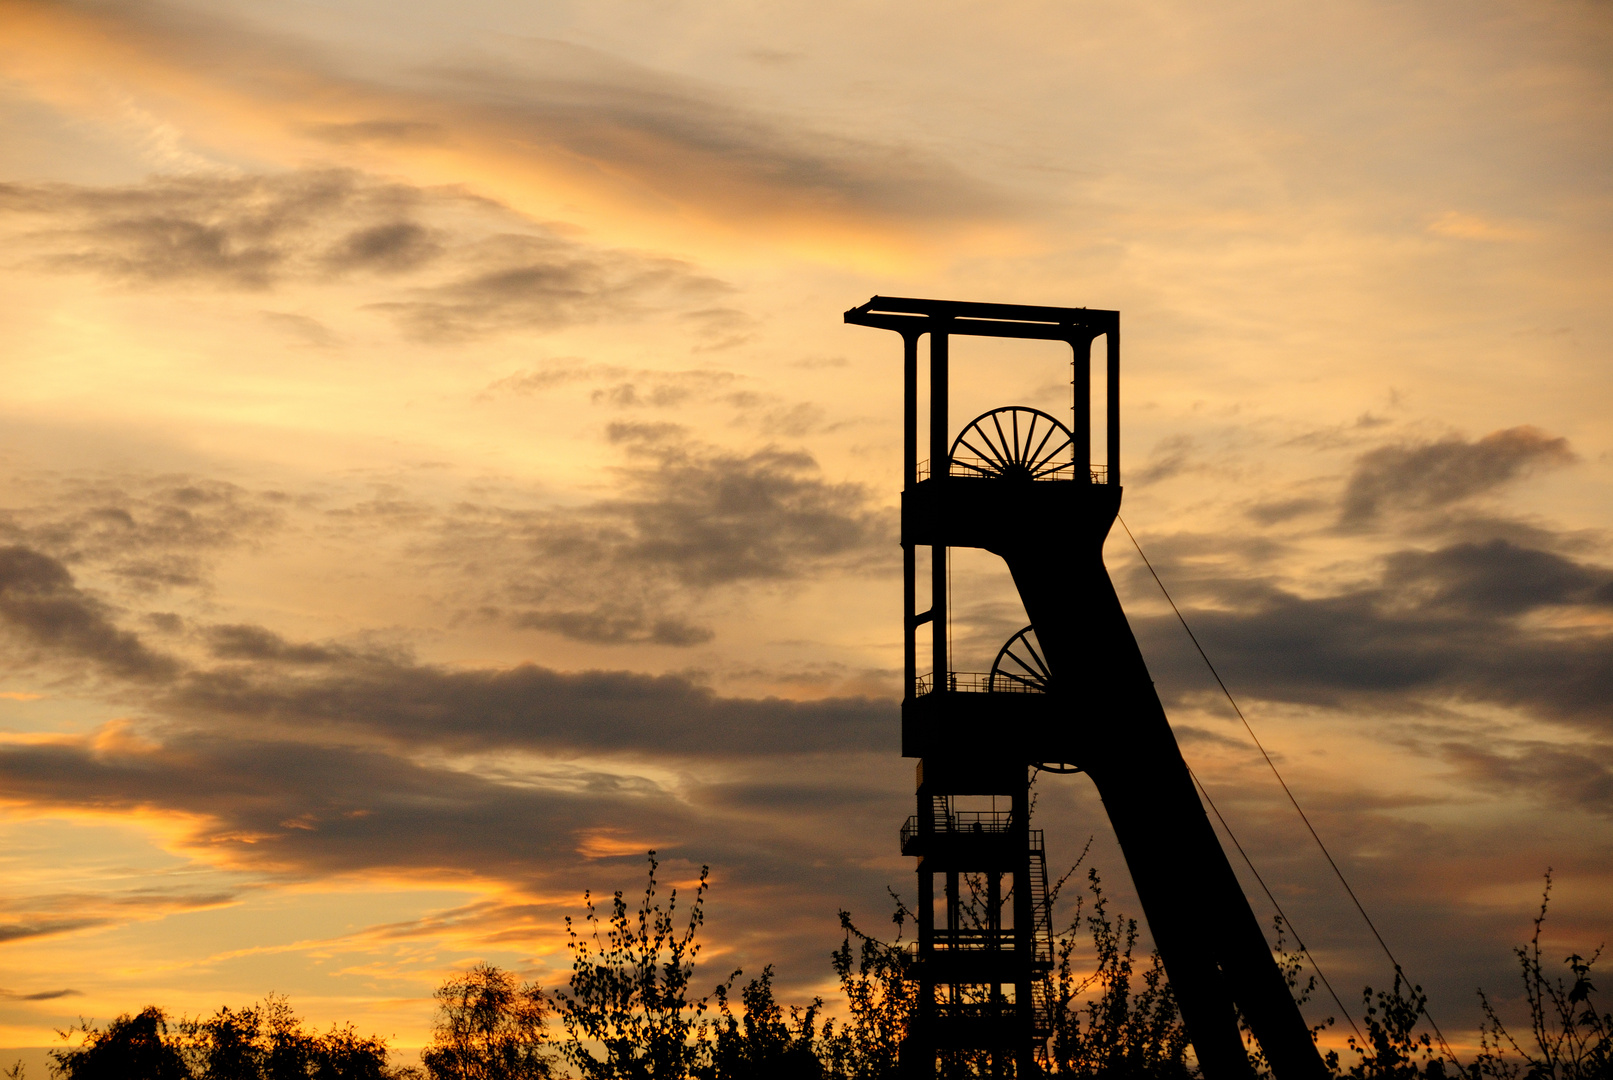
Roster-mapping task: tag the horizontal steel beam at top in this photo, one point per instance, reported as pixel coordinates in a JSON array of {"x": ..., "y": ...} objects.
[{"x": 904, "y": 314}]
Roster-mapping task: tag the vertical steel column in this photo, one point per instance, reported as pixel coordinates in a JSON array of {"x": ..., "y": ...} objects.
[
  {"x": 938, "y": 475},
  {"x": 910, "y": 468},
  {"x": 1081, "y": 421},
  {"x": 1112, "y": 384},
  {"x": 921, "y": 1040}
]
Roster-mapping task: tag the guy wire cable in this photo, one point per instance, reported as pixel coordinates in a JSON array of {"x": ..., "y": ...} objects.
[
  {"x": 1280, "y": 912},
  {"x": 950, "y": 658},
  {"x": 1399, "y": 970}
]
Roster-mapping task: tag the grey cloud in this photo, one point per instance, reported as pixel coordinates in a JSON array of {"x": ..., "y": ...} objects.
[
  {"x": 1441, "y": 625},
  {"x": 527, "y": 707},
  {"x": 19, "y": 931},
  {"x": 1275, "y": 511},
  {"x": 664, "y": 389},
  {"x": 240, "y": 232},
  {"x": 298, "y": 807},
  {"x": 38, "y": 995},
  {"x": 242, "y": 642},
  {"x": 559, "y": 373},
  {"x": 617, "y": 627},
  {"x": 1421, "y": 476},
  {"x": 690, "y": 518},
  {"x": 720, "y": 327},
  {"x": 391, "y": 247},
  {"x": 1170, "y": 456},
  {"x": 40, "y": 604},
  {"x": 148, "y": 532},
  {"x": 301, "y": 808},
  {"x": 1497, "y": 577},
  {"x": 543, "y": 282},
  {"x": 1579, "y": 777},
  {"x": 460, "y": 267},
  {"x": 710, "y": 517},
  {"x": 699, "y": 147},
  {"x": 627, "y": 387}
]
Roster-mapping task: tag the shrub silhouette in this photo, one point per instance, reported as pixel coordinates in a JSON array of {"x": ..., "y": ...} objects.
[
  {"x": 628, "y": 1013},
  {"x": 1570, "y": 1039},
  {"x": 882, "y": 998},
  {"x": 765, "y": 1042},
  {"x": 260, "y": 1042},
  {"x": 1101, "y": 1028}
]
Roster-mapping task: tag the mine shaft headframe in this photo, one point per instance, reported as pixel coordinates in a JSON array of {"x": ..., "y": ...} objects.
[{"x": 941, "y": 319}]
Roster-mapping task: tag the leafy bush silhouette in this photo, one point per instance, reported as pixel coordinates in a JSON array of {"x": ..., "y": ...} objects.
[
  {"x": 764, "y": 1042},
  {"x": 629, "y": 989},
  {"x": 1391, "y": 1048},
  {"x": 1101, "y": 1028},
  {"x": 1571, "y": 1040},
  {"x": 881, "y": 993}
]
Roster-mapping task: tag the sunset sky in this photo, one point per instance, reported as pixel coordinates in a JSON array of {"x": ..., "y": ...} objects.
[{"x": 434, "y": 471}]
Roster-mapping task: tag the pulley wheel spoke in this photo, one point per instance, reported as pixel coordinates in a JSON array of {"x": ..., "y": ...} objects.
[
  {"x": 1013, "y": 443},
  {"x": 1020, "y": 665}
]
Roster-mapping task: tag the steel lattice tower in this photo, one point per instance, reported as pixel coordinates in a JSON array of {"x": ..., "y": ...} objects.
[{"x": 1069, "y": 693}]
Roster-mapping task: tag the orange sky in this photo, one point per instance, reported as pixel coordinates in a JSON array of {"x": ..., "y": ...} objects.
[{"x": 433, "y": 469}]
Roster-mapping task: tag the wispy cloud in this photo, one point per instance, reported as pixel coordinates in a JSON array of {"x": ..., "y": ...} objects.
[
  {"x": 450, "y": 267},
  {"x": 43, "y": 609},
  {"x": 1427, "y": 476},
  {"x": 569, "y": 116}
]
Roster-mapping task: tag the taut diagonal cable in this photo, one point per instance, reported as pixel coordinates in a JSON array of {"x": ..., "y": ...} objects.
[
  {"x": 1284, "y": 784},
  {"x": 1280, "y": 912}
]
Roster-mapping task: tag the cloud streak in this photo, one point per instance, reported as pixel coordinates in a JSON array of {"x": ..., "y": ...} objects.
[
  {"x": 1428, "y": 476},
  {"x": 41, "y": 606},
  {"x": 586, "y": 124},
  {"x": 449, "y": 267}
]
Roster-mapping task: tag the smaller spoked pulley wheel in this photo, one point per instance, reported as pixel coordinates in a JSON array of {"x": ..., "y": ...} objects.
[
  {"x": 1014, "y": 442},
  {"x": 1019, "y": 666}
]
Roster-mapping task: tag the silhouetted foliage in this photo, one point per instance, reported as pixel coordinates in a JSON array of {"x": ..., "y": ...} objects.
[
  {"x": 628, "y": 1014},
  {"x": 136, "y": 1047},
  {"x": 1392, "y": 1049},
  {"x": 1571, "y": 1040},
  {"x": 882, "y": 1000},
  {"x": 260, "y": 1042},
  {"x": 490, "y": 1026},
  {"x": 1292, "y": 966},
  {"x": 1102, "y": 1029},
  {"x": 763, "y": 1044}
]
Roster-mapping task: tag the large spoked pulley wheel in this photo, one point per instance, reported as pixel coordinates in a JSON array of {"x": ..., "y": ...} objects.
[
  {"x": 1020, "y": 667},
  {"x": 1014, "y": 442}
]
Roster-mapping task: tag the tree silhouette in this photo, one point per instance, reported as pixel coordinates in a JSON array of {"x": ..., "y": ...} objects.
[
  {"x": 490, "y": 1026},
  {"x": 134, "y": 1047}
]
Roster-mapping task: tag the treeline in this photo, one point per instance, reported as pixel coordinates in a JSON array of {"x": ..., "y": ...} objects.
[{"x": 629, "y": 1012}]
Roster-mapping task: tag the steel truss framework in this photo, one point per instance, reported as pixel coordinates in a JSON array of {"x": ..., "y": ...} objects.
[{"x": 1069, "y": 693}]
